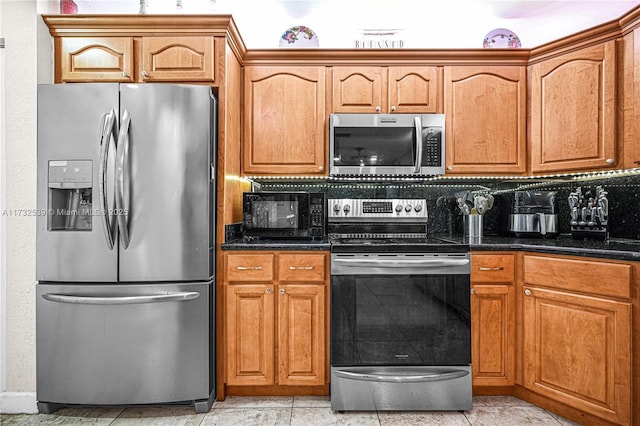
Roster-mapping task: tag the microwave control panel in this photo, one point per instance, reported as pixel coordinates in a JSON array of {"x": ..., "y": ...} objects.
[{"x": 432, "y": 151}]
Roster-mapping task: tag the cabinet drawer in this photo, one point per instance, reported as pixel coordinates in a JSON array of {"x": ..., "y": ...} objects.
[
  {"x": 588, "y": 276},
  {"x": 250, "y": 267},
  {"x": 301, "y": 267},
  {"x": 492, "y": 268}
]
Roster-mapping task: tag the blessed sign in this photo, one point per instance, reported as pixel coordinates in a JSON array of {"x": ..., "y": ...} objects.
[{"x": 379, "y": 39}]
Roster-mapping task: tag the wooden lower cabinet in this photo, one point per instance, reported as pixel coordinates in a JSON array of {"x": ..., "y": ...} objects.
[
  {"x": 493, "y": 319},
  {"x": 576, "y": 346},
  {"x": 275, "y": 329}
]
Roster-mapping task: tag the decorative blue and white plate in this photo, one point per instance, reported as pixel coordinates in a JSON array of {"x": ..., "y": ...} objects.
[
  {"x": 299, "y": 36},
  {"x": 501, "y": 38}
]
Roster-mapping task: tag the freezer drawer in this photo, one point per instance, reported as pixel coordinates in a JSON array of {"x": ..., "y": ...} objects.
[{"x": 124, "y": 344}]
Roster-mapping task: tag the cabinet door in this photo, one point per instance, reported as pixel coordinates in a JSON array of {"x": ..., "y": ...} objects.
[
  {"x": 630, "y": 92},
  {"x": 359, "y": 89},
  {"x": 493, "y": 335},
  {"x": 577, "y": 351},
  {"x": 96, "y": 59},
  {"x": 284, "y": 114},
  {"x": 250, "y": 334},
  {"x": 486, "y": 119},
  {"x": 301, "y": 334},
  {"x": 177, "y": 58},
  {"x": 573, "y": 111},
  {"x": 413, "y": 89}
]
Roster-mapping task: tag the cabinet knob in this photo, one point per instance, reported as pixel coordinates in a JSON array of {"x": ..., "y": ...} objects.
[
  {"x": 473, "y": 291},
  {"x": 393, "y": 108},
  {"x": 611, "y": 161},
  {"x": 144, "y": 74},
  {"x": 377, "y": 109},
  {"x": 125, "y": 74},
  {"x": 527, "y": 292},
  {"x": 282, "y": 291},
  {"x": 321, "y": 168},
  {"x": 268, "y": 290},
  {"x": 449, "y": 167}
]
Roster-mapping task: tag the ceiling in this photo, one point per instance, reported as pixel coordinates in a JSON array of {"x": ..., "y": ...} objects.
[{"x": 421, "y": 23}]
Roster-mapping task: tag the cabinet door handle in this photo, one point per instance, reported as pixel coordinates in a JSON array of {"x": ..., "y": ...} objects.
[
  {"x": 636, "y": 162},
  {"x": 301, "y": 268},
  {"x": 527, "y": 292},
  {"x": 249, "y": 268},
  {"x": 268, "y": 290},
  {"x": 498, "y": 268}
]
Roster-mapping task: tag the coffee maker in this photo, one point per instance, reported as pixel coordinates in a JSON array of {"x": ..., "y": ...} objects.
[{"x": 534, "y": 214}]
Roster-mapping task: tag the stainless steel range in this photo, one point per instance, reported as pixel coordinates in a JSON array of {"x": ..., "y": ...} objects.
[{"x": 400, "y": 310}]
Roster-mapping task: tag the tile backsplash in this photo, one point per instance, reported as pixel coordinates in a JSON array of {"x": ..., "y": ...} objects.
[{"x": 445, "y": 218}]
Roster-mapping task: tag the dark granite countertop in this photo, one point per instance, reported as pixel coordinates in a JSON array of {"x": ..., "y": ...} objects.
[
  {"x": 247, "y": 244},
  {"x": 614, "y": 248}
]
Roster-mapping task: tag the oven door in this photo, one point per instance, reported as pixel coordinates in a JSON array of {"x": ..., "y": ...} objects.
[
  {"x": 400, "y": 309},
  {"x": 400, "y": 332}
]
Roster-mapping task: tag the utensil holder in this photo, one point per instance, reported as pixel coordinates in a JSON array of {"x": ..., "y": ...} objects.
[{"x": 473, "y": 227}]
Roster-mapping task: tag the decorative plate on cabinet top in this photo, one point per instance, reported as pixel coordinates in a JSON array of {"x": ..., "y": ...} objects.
[
  {"x": 299, "y": 36},
  {"x": 501, "y": 38}
]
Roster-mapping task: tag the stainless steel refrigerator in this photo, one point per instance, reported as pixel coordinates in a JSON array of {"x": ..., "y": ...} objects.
[{"x": 125, "y": 245}]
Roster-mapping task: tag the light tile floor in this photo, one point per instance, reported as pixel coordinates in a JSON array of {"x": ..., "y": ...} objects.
[{"x": 294, "y": 411}]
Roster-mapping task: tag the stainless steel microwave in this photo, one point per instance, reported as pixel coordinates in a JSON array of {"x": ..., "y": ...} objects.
[
  {"x": 284, "y": 215},
  {"x": 386, "y": 144}
]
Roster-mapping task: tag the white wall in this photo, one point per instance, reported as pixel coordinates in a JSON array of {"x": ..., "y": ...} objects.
[{"x": 27, "y": 61}]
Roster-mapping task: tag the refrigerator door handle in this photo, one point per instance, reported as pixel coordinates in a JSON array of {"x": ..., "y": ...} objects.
[
  {"x": 121, "y": 300},
  {"x": 123, "y": 180},
  {"x": 105, "y": 208}
]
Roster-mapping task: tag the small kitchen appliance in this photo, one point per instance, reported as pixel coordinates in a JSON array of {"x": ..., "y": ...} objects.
[
  {"x": 284, "y": 215},
  {"x": 400, "y": 310},
  {"x": 534, "y": 214},
  {"x": 384, "y": 145}
]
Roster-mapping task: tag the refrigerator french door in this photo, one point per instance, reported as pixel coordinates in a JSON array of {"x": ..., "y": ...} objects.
[{"x": 125, "y": 245}]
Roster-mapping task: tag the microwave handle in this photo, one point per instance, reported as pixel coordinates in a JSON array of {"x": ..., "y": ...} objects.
[{"x": 418, "y": 125}]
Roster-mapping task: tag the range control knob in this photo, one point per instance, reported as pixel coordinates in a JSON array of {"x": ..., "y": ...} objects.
[
  {"x": 418, "y": 208},
  {"x": 408, "y": 208},
  {"x": 399, "y": 208},
  {"x": 336, "y": 208},
  {"x": 346, "y": 208}
]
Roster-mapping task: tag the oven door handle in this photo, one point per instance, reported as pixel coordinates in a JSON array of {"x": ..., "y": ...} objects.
[
  {"x": 398, "y": 378},
  {"x": 426, "y": 263}
]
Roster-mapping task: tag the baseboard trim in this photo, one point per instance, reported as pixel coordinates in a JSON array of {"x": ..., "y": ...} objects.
[{"x": 18, "y": 403}]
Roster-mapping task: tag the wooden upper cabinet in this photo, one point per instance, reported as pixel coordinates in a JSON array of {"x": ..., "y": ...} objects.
[
  {"x": 413, "y": 89},
  {"x": 573, "y": 111},
  {"x": 177, "y": 58},
  {"x": 361, "y": 89},
  {"x": 358, "y": 90},
  {"x": 630, "y": 99},
  {"x": 486, "y": 119},
  {"x": 96, "y": 59},
  {"x": 284, "y": 121}
]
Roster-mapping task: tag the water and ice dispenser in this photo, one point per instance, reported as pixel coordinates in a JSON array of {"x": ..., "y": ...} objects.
[{"x": 70, "y": 195}]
